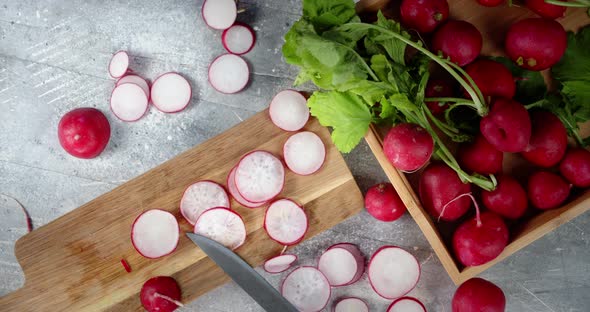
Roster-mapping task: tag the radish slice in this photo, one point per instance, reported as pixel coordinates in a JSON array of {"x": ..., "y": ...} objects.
[
  {"x": 222, "y": 225},
  {"x": 233, "y": 191},
  {"x": 260, "y": 176},
  {"x": 201, "y": 196},
  {"x": 238, "y": 39},
  {"x": 119, "y": 64},
  {"x": 288, "y": 110},
  {"x": 406, "y": 304},
  {"x": 307, "y": 289},
  {"x": 171, "y": 93},
  {"x": 142, "y": 83},
  {"x": 351, "y": 304},
  {"x": 219, "y": 14},
  {"x": 304, "y": 153},
  {"x": 342, "y": 264},
  {"x": 285, "y": 222},
  {"x": 279, "y": 263},
  {"x": 393, "y": 272},
  {"x": 154, "y": 233},
  {"x": 229, "y": 73},
  {"x": 129, "y": 102}
]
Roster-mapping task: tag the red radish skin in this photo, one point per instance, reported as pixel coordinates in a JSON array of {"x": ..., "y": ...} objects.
[
  {"x": 438, "y": 88},
  {"x": 171, "y": 93},
  {"x": 490, "y": 3},
  {"x": 219, "y": 14},
  {"x": 439, "y": 189},
  {"x": 307, "y": 289},
  {"x": 477, "y": 295},
  {"x": 458, "y": 40},
  {"x": 509, "y": 199},
  {"x": 480, "y": 156},
  {"x": 126, "y": 265},
  {"x": 546, "y": 10},
  {"x": 547, "y": 190},
  {"x": 239, "y": 39},
  {"x": 575, "y": 167},
  {"x": 393, "y": 272},
  {"x": 492, "y": 78},
  {"x": 481, "y": 239},
  {"x": 408, "y": 146},
  {"x": 155, "y": 233},
  {"x": 285, "y": 222},
  {"x": 507, "y": 126},
  {"x": 279, "y": 264},
  {"x": 535, "y": 43},
  {"x": 383, "y": 203},
  {"x": 424, "y": 15},
  {"x": 406, "y": 304},
  {"x": 548, "y": 140},
  {"x": 119, "y": 64},
  {"x": 350, "y": 304},
  {"x": 84, "y": 132},
  {"x": 152, "y": 292}
]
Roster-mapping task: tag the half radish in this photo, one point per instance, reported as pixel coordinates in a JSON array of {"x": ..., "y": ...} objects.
[
  {"x": 406, "y": 304},
  {"x": 285, "y": 222},
  {"x": 129, "y": 102},
  {"x": 229, "y": 73},
  {"x": 350, "y": 304},
  {"x": 238, "y": 39},
  {"x": 155, "y": 233},
  {"x": 201, "y": 196},
  {"x": 393, "y": 272},
  {"x": 288, "y": 110},
  {"x": 142, "y": 83},
  {"x": 222, "y": 225},
  {"x": 119, "y": 64},
  {"x": 260, "y": 176},
  {"x": 233, "y": 191},
  {"x": 219, "y": 14},
  {"x": 307, "y": 289},
  {"x": 304, "y": 153},
  {"x": 342, "y": 264},
  {"x": 279, "y": 263},
  {"x": 171, "y": 93}
]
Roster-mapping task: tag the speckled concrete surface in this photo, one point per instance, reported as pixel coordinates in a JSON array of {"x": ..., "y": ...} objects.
[{"x": 53, "y": 58}]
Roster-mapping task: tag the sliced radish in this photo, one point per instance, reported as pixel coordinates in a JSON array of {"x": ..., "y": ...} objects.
[
  {"x": 260, "y": 176},
  {"x": 238, "y": 39},
  {"x": 406, "y": 304},
  {"x": 393, "y": 272},
  {"x": 233, "y": 191},
  {"x": 307, "y": 289},
  {"x": 219, "y": 14},
  {"x": 285, "y": 222},
  {"x": 201, "y": 196},
  {"x": 342, "y": 264},
  {"x": 304, "y": 153},
  {"x": 279, "y": 263},
  {"x": 119, "y": 64},
  {"x": 171, "y": 93},
  {"x": 222, "y": 225},
  {"x": 154, "y": 233},
  {"x": 288, "y": 110},
  {"x": 136, "y": 80},
  {"x": 129, "y": 102},
  {"x": 229, "y": 73},
  {"x": 350, "y": 304}
]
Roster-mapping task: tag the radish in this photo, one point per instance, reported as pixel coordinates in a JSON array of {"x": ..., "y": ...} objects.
[
  {"x": 536, "y": 43},
  {"x": 229, "y": 73},
  {"x": 260, "y": 176},
  {"x": 155, "y": 233},
  {"x": 383, "y": 202},
  {"x": 288, "y": 110},
  {"x": 393, "y": 272},
  {"x": 285, "y": 222},
  {"x": 438, "y": 88},
  {"x": 546, "y": 10},
  {"x": 171, "y": 93},
  {"x": 476, "y": 295},
  {"x": 304, "y": 153},
  {"x": 480, "y": 156},
  {"x": 126, "y": 265},
  {"x": 406, "y": 304},
  {"x": 507, "y": 126},
  {"x": 408, "y": 146},
  {"x": 575, "y": 167},
  {"x": 548, "y": 140},
  {"x": 238, "y": 39},
  {"x": 342, "y": 264},
  {"x": 219, "y": 14},
  {"x": 424, "y": 15},
  {"x": 129, "y": 102},
  {"x": 441, "y": 192},
  {"x": 481, "y": 239},
  {"x": 307, "y": 289},
  {"x": 490, "y": 3},
  {"x": 547, "y": 190},
  {"x": 350, "y": 304},
  {"x": 492, "y": 78},
  {"x": 509, "y": 199},
  {"x": 142, "y": 83},
  {"x": 458, "y": 40},
  {"x": 233, "y": 191},
  {"x": 160, "y": 294},
  {"x": 222, "y": 225},
  {"x": 201, "y": 196},
  {"x": 84, "y": 132},
  {"x": 119, "y": 64},
  {"x": 279, "y": 263}
]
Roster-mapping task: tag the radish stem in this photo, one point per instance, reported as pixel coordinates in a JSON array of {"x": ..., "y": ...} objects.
[
  {"x": 283, "y": 251},
  {"x": 572, "y": 4},
  {"x": 176, "y": 302}
]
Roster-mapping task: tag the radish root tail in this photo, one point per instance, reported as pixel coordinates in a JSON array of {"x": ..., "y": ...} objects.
[
  {"x": 470, "y": 195},
  {"x": 284, "y": 249},
  {"x": 176, "y": 302}
]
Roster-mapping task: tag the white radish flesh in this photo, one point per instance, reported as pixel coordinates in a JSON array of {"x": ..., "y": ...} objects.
[
  {"x": 342, "y": 264},
  {"x": 201, "y": 196},
  {"x": 304, "y": 153},
  {"x": 142, "y": 83},
  {"x": 233, "y": 191},
  {"x": 393, "y": 272},
  {"x": 351, "y": 304},
  {"x": 119, "y": 64},
  {"x": 285, "y": 222},
  {"x": 307, "y": 289},
  {"x": 129, "y": 102},
  {"x": 260, "y": 176},
  {"x": 288, "y": 110},
  {"x": 171, "y": 93},
  {"x": 238, "y": 39},
  {"x": 279, "y": 263},
  {"x": 229, "y": 73},
  {"x": 222, "y": 225},
  {"x": 155, "y": 233},
  {"x": 406, "y": 304},
  {"x": 219, "y": 14}
]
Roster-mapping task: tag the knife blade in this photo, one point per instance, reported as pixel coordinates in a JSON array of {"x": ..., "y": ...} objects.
[{"x": 244, "y": 275}]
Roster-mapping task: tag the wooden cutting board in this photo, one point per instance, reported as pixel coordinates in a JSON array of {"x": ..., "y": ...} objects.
[{"x": 74, "y": 264}]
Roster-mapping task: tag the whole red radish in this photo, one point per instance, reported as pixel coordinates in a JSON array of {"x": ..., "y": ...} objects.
[
  {"x": 408, "y": 146},
  {"x": 481, "y": 239},
  {"x": 546, "y": 10},
  {"x": 383, "y": 202},
  {"x": 480, "y": 156},
  {"x": 160, "y": 294},
  {"x": 84, "y": 132},
  {"x": 536, "y": 43},
  {"x": 490, "y": 3},
  {"x": 548, "y": 140},
  {"x": 507, "y": 126},
  {"x": 478, "y": 295},
  {"x": 440, "y": 190},
  {"x": 547, "y": 190},
  {"x": 492, "y": 78},
  {"x": 424, "y": 15},
  {"x": 438, "y": 88},
  {"x": 575, "y": 167},
  {"x": 458, "y": 40},
  {"x": 509, "y": 199}
]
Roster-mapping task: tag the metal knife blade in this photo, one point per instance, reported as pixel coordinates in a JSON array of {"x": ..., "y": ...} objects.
[{"x": 244, "y": 275}]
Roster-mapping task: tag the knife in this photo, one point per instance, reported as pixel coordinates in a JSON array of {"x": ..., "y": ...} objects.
[{"x": 244, "y": 275}]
